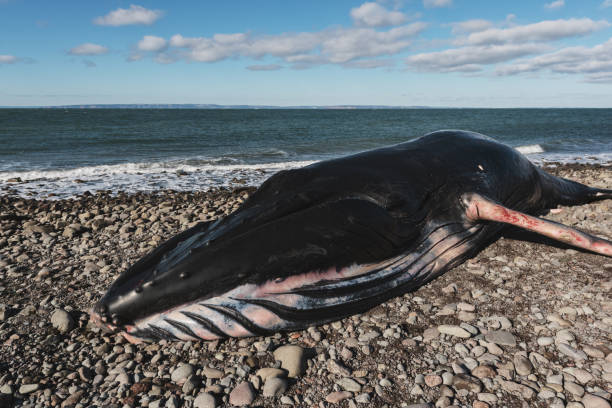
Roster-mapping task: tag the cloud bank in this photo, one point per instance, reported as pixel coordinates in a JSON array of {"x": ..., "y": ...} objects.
[
  {"x": 480, "y": 45},
  {"x": 374, "y": 15},
  {"x": 134, "y": 15},
  {"x": 330, "y": 46}
]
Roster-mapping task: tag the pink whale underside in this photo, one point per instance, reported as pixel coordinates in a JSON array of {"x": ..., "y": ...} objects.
[
  {"x": 435, "y": 252},
  {"x": 271, "y": 290}
]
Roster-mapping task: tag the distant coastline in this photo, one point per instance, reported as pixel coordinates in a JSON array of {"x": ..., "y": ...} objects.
[
  {"x": 270, "y": 107},
  {"x": 215, "y": 106}
]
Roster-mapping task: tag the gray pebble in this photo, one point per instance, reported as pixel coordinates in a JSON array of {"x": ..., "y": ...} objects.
[
  {"x": 593, "y": 401},
  {"x": 243, "y": 394},
  {"x": 571, "y": 352},
  {"x": 292, "y": 359},
  {"x": 454, "y": 331},
  {"x": 348, "y": 384},
  {"x": 501, "y": 337},
  {"x": 62, "y": 321},
  {"x": 274, "y": 386},
  {"x": 205, "y": 400},
  {"x": 182, "y": 373},
  {"x": 28, "y": 388}
]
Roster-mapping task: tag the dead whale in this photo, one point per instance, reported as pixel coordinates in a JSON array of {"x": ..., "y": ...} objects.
[{"x": 335, "y": 238}]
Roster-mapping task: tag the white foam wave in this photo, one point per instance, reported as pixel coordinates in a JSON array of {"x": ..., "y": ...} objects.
[
  {"x": 133, "y": 177},
  {"x": 530, "y": 149},
  {"x": 144, "y": 168},
  {"x": 181, "y": 176}
]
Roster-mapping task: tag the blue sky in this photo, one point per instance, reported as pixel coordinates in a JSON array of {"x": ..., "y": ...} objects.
[{"x": 393, "y": 52}]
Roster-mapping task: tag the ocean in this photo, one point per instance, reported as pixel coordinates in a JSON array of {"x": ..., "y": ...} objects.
[{"x": 60, "y": 153}]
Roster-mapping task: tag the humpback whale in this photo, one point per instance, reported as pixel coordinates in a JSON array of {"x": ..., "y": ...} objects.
[{"x": 338, "y": 237}]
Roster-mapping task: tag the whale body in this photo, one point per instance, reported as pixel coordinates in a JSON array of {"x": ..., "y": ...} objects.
[{"x": 319, "y": 243}]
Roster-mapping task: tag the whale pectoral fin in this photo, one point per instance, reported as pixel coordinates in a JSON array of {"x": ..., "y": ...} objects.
[{"x": 480, "y": 208}]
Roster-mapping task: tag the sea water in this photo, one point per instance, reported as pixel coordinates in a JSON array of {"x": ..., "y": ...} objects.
[{"x": 65, "y": 152}]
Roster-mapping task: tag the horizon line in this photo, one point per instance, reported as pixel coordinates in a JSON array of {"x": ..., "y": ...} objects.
[{"x": 268, "y": 107}]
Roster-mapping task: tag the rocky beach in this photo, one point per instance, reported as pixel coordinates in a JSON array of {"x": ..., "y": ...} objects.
[{"x": 523, "y": 324}]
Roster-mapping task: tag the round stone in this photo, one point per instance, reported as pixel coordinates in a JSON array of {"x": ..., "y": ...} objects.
[
  {"x": 205, "y": 400},
  {"x": 292, "y": 359},
  {"x": 593, "y": 401},
  {"x": 338, "y": 396},
  {"x": 182, "y": 373},
  {"x": 501, "y": 337},
  {"x": 242, "y": 395},
  {"x": 274, "y": 386},
  {"x": 62, "y": 321},
  {"x": 433, "y": 380}
]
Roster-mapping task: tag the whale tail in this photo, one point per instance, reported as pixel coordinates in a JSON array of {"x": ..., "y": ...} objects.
[
  {"x": 561, "y": 191},
  {"x": 480, "y": 208}
]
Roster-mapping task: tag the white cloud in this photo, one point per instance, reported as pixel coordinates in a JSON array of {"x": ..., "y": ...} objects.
[
  {"x": 606, "y": 4},
  {"x": 543, "y": 31},
  {"x": 594, "y": 62},
  {"x": 344, "y": 45},
  {"x": 338, "y": 45},
  {"x": 470, "y": 26},
  {"x": 374, "y": 15},
  {"x": 8, "y": 59},
  {"x": 555, "y": 4},
  {"x": 134, "y": 15},
  {"x": 88, "y": 49},
  {"x": 471, "y": 58},
  {"x": 437, "y": 3},
  {"x": 151, "y": 43},
  {"x": 269, "y": 67}
]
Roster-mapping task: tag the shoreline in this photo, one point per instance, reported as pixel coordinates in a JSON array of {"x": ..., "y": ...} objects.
[
  {"x": 236, "y": 180},
  {"x": 520, "y": 324}
]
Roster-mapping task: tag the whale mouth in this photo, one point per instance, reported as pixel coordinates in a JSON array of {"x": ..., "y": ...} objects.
[{"x": 302, "y": 300}]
